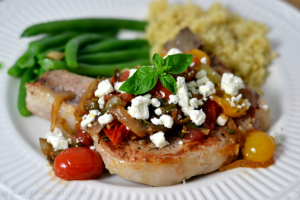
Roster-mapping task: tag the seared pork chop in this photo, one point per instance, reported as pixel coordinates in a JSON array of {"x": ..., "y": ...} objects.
[{"x": 41, "y": 93}]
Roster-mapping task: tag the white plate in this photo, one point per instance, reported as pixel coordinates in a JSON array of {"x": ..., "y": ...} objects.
[{"x": 24, "y": 173}]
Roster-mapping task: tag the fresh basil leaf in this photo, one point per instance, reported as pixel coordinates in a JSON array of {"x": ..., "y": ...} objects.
[
  {"x": 178, "y": 62},
  {"x": 193, "y": 125},
  {"x": 158, "y": 61},
  {"x": 169, "y": 82},
  {"x": 143, "y": 80},
  {"x": 231, "y": 132}
]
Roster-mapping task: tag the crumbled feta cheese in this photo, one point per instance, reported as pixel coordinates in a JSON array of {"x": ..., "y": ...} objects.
[
  {"x": 186, "y": 110},
  {"x": 190, "y": 95},
  {"x": 191, "y": 84},
  {"x": 207, "y": 89},
  {"x": 69, "y": 140},
  {"x": 155, "y": 102},
  {"x": 159, "y": 139},
  {"x": 92, "y": 148},
  {"x": 105, "y": 119},
  {"x": 222, "y": 119},
  {"x": 88, "y": 119},
  {"x": 180, "y": 142},
  {"x": 77, "y": 141},
  {"x": 248, "y": 104},
  {"x": 131, "y": 72},
  {"x": 173, "y": 99},
  {"x": 192, "y": 64},
  {"x": 213, "y": 73},
  {"x": 165, "y": 120},
  {"x": 231, "y": 84},
  {"x": 276, "y": 137},
  {"x": 203, "y": 60},
  {"x": 201, "y": 74},
  {"x": 139, "y": 107},
  {"x": 239, "y": 106},
  {"x": 117, "y": 86},
  {"x": 182, "y": 92},
  {"x": 104, "y": 88},
  {"x": 195, "y": 103},
  {"x": 158, "y": 111},
  {"x": 57, "y": 140},
  {"x": 162, "y": 93},
  {"x": 197, "y": 116},
  {"x": 202, "y": 81},
  {"x": 172, "y": 52},
  {"x": 127, "y": 128},
  {"x": 265, "y": 107},
  {"x": 101, "y": 102}
]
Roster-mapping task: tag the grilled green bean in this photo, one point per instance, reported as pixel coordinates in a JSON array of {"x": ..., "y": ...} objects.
[
  {"x": 73, "y": 45},
  {"x": 92, "y": 70},
  {"x": 26, "y": 77},
  {"x": 87, "y": 25},
  {"x": 15, "y": 71},
  {"x": 114, "y": 44},
  {"x": 35, "y": 47},
  {"x": 115, "y": 57}
]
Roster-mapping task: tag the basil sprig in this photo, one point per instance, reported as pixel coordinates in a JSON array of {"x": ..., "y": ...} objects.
[{"x": 145, "y": 78}]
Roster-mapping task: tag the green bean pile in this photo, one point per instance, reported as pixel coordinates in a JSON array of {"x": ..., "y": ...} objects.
[{"x": 83, "y": 46}]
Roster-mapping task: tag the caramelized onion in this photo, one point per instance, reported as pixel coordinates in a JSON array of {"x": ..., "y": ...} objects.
[
  {"x": 46, "y": 148},
  {"x": 247, "y": 163},
  {"x": 95, "y": 129},
  {"x": 114, "y": 102},
  {"x": 58, "y": 99},
  {"x": 62, "y": 124}
]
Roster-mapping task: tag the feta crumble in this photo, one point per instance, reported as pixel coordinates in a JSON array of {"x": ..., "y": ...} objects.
[
  {"x": 88, "y": 119},
  {"x": 105, "y": 119},
  {"x": 57, "y": 140},
  {"x": 155, "y": 102},
  {"x": 222, "y": 119},
  {"x": 173, "y": 99},
  {"x": 101, "y": 102},
  {"x": 202, "y": 81},
  {"x": 248, "y": 104},
  {"x": 197, "y": 116},
  {"x": 158, "y": 111},
  {"x": 165, "y": 120},
  {"x": 92, "y": 148},
  {"x": 117, "y": 86},
  {"x": 186, "y": 110},
  {"x": 207, "y": 89},
  {"x": 182, "y": 92},
  {"x": 201, "y": 74},
  {"x": 180, "y": 142},
  {"x": 195, "y": 103},
  {"x": 139, "y": 107},
  {"x": 172, "y": 52},
  {"x": 203, "y": 60},
  {"x": 231, "y": 84},
  {"x": 159, "y": 139},
  {"x": 276, "y": 138},
  {"x": 104, "y": 88},
  {"x": 265, "y": 107}
]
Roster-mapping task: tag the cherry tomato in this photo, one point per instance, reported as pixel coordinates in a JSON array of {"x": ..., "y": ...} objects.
[
  {"x": 259, "y": 147},
  {"x": 126, "y": 97},
  {"x": 211, "y": 110},
  {"x": 159, "y": 91},
  {"x": 78, "y": 163},
  {"x": 194, "y": 134},
  {"x": 84, "y": 137},
  {"x": 200, "y": 54},
  {"x": 124, "y": 76}
]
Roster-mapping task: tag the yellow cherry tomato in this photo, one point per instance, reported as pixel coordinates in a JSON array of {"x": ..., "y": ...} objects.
[
  {"x": 200, "y": 54},
  {"x": 229, "y": 110},
  {"x": 259, "y": 147}
]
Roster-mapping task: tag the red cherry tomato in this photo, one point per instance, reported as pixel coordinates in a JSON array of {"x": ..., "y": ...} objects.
[
  {"x": 78, "y": 163},
  {"x": 84, "y": 138},
  {"x": 211, "y": 110},
  {"x": 194, "y": 134},
  {"x": 124, "y": 76},
  {"x": 126, "y": 97},
  {"x": 159, "y": 91}
]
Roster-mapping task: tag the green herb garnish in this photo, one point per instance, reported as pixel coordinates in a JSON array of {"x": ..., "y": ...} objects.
[
  {"x": 145, "y": 78},
  {"x": 193, "y": 125},
  {"x": 231, "y": 132}
]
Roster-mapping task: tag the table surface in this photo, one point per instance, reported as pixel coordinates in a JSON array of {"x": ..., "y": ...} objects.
[{"x": 296, "y": 3}]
